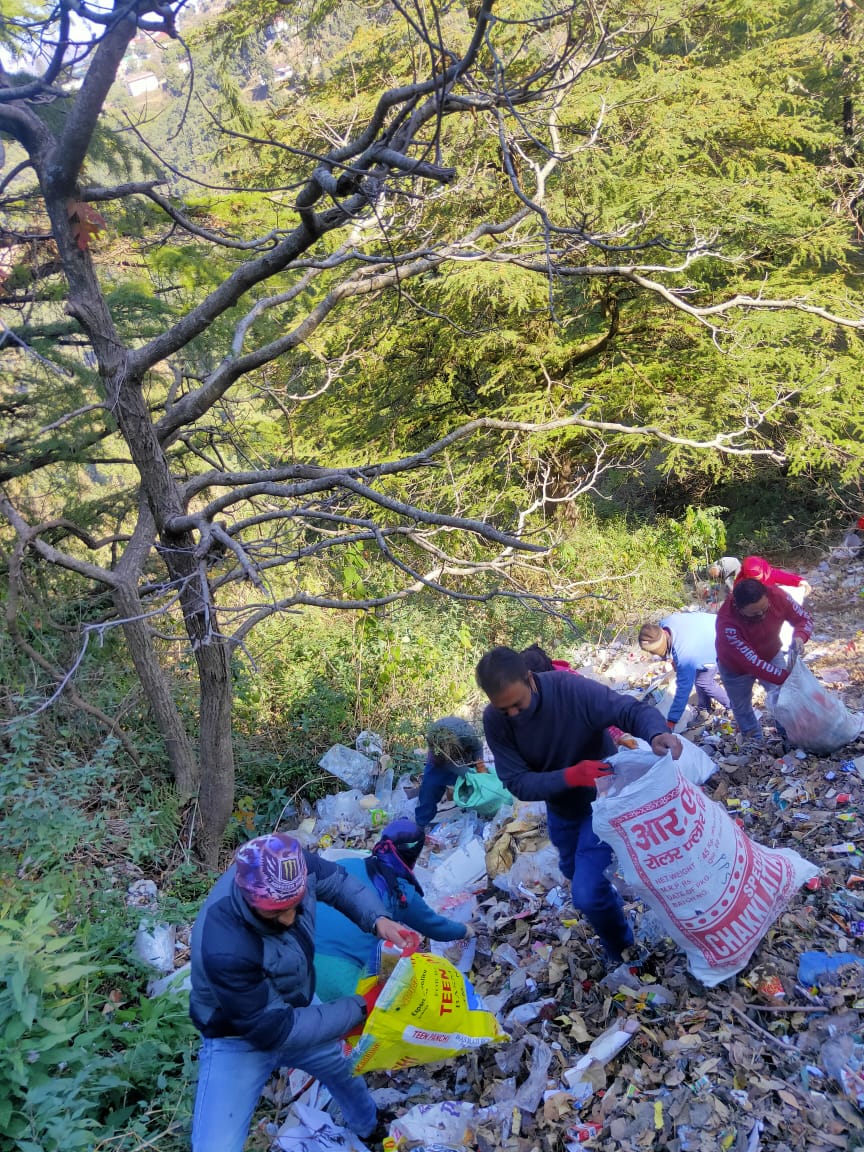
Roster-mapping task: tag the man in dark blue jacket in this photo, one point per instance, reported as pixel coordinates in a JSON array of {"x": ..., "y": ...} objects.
[
  {"x": 253, "y": 984},
  {"x": 547, "y": 732}
]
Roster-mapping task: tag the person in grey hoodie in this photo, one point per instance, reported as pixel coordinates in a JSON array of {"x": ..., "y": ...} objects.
[{"x": 253, "y": 987}]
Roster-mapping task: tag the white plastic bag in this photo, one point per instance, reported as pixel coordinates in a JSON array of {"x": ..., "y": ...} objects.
[
  {"x": 342, "y": 811},
  {"x": 315, "y": 1131},
  {"x": 462, "y": 869},
  {"x": 154, "y": 944},
  {"x": 716, "y": 891},
  {"x": 451, "y": 1122},
  {"x": 370, "y": 743},
  {"x": 400, "y": 804},
  {"x": 537, "y": 870},
  {"x": 814, "y": 718}
]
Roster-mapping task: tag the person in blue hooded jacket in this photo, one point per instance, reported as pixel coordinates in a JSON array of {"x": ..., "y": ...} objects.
[
  {"x": 342, "y": 949},
  {"x": 689, "y": 640},
  {"x": 453, "y": 749}
]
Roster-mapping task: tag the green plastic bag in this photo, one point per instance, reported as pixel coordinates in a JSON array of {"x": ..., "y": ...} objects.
[{"x": 481, "y": 792}]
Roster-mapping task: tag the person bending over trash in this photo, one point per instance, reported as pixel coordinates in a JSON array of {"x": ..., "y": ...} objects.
[
  {"x": 749, "y": 648},
  {"x": 453, "y": 749},
  {"x": 342, "y": 949},
  {"x": 725, "y": 569},
  {"x": 253, "y": 982},
  {"x": 688, "y": 640},
  {"x": 547, "y": 732},
  {"x": 758, "y": 568}
]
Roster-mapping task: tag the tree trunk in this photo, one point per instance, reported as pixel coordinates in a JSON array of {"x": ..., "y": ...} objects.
[
  {"x": 216, "y": 797},
  {"x": 157, "y": 690}
]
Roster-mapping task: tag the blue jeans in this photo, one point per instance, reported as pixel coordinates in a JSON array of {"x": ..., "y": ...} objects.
[
  {"x": 740, "y": 689},
  {"x": 584, "y": 857},
  {"x": 232, "y": 1074}
]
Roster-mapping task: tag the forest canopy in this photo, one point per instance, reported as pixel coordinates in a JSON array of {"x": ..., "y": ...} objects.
[{"x": 320, "y": 307}]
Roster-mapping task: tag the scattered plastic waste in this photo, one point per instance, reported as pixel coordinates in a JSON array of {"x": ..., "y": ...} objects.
[
  {"x": 812, "y": 965},
  {"x": 177, "y": 982},
  {"x": 601, "y": 1051},
  {"x": 843, "y": 1060},
  {"x": 533, "y": 870},
  {"x": 343, "y": 812},
  {"x": 535, "y": 963},
  {"x": 143, "y": 894},
  {"x": 369, "y": 743},
  {"x": 154, "y": 944},
  {"x": 357, "y": 770},
  {"x": 450, "y": 1123},
  {"x": 528, "y": 1013},
  {"x": 310, "y": 1130},
  {"x": 530, "y": 1092}
]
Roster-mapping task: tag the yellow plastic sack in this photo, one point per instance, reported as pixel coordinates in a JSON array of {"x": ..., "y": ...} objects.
[{"x": 427, "y": 1011}]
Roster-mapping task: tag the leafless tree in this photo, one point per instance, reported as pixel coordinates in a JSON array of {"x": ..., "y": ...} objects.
[{"x": 210, "y": 529}]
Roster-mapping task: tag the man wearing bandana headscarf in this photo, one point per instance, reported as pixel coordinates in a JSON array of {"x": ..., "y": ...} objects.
[
  {"x": 342, "y": 949},
  {"x": 253, "y": 987},
  {"x": 548, "y": 734}
]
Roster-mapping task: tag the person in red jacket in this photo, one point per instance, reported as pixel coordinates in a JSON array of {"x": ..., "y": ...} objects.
[
  {"x": 757, "y": 568},
  {"x": 748, "y": 645}
]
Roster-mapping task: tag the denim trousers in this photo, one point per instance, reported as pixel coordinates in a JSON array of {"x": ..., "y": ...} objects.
[
  {"x": 740, "y": 689},
  {"x": 232, "y": 1074},
  {"x": 709, "y": 687},
  {"x": 584, "y": 857}
]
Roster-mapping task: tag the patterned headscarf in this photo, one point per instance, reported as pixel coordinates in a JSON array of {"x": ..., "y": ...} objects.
[
  {"x": 271, "y": 872},
  {"x": 393, "y": 859}
]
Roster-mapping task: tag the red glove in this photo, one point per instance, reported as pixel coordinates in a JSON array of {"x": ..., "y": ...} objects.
[
  {"x": 670, "y": 724},
  {"x": 585, "y": 773}
]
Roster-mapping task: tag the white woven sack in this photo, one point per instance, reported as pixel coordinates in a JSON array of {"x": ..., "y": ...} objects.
[
  {"x": 716, "y": 891},
  {"x": 694, "y": 764}
]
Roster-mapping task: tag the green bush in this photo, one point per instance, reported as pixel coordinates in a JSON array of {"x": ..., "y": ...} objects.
[{"x": 78, "y": 1073}]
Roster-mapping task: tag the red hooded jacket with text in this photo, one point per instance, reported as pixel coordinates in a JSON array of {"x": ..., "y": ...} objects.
[{"x": 745, "y": 647}]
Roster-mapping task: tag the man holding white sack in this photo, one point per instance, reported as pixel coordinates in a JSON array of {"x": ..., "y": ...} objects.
[
  {"x": 548, "y": 734},
  {"x": 749, "y": 646}
]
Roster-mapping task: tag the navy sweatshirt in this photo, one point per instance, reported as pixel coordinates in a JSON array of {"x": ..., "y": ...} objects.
[{"x": 566, "y": 722}]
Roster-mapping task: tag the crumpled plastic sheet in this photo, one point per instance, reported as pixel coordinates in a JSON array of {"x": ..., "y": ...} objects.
[{"x": 316, "y": 1132}]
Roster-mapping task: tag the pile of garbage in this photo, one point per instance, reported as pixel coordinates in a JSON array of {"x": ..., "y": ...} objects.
[
  {"x": 649, "y": 1056},
  {"x": 644, "y": 1055}
]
